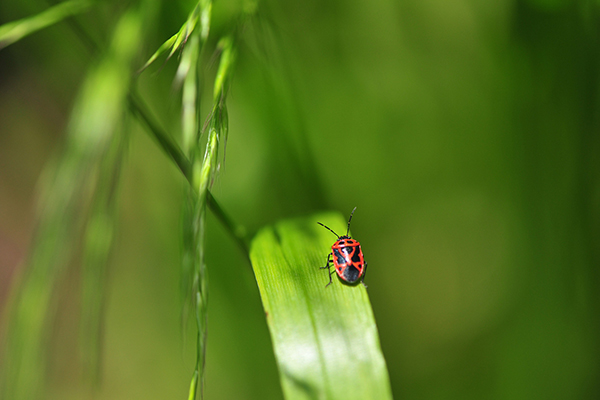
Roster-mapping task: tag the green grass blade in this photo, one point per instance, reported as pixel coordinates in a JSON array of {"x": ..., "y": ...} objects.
[
  {"x": 185, "y": 31},
  {"x": 163, "y": 47},
  {"x": 325, "y": 338},
  {"x": 177, "y": 40},
  {"x": 205, "y": 18},
  {"x": 226, "y": 67},
  {"x": 17, "y": 30},
  {"x": 188, "y": 73}
]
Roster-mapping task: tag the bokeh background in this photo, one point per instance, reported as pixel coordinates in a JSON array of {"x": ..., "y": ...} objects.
[{"x": 466, "y": 133}]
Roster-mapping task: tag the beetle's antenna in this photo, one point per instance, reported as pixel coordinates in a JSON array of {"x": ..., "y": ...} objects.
[
  {"x": 350, "y": 219},
  {"x": 329, "y": 229}
]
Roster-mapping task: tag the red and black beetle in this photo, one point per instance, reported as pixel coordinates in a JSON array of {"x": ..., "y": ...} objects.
[{"x": 348, "y": 258}]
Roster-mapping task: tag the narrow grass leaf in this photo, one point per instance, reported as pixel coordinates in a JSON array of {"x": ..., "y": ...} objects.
[
  {"x": 188, "y": 73},
  {"x": 163, "y": 47},
  {"x": 205, "y": 17},
  {"x": 225, "y": 71},
  {"x": 193, "y": 386},
  {"x": 325, "y": 338},
  {"x": 185, "y": 31},
  {"x": 17, "y": 30},
  {"x": 177, "y": 40}
]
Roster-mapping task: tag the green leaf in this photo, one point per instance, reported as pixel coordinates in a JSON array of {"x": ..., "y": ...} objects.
[
  {"x": 175, "y": 41},
  {"x": 325, "y": 338},
  {"x": 202, "y": 13},
  {"x": 16, "y": 30},
  {"x": 163, "y": 47}
]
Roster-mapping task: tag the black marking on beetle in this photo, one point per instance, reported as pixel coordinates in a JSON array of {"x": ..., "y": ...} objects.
[
  {"x": 340, "y": 257},
  {"x": 351, "y": 273},
  {"x": 356, "y": 255}
]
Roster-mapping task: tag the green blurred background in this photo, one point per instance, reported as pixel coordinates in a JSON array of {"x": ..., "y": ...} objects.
[{"x": 466, "y": 133}]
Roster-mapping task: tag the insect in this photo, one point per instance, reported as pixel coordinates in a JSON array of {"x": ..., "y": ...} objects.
[{"x": 348, "y": 258}]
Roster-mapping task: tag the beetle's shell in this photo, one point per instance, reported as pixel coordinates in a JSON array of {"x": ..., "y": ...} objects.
[{"x": 348, "y": 259}]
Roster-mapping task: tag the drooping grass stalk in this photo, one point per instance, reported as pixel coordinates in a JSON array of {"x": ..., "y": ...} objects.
[
  {"x": 237, "y": 231},
  {"x": 198, "y": 171},
  {"x": 167, "y": 144},
  {"x": 195, "y": 272},
  {"x": 200, "y": 175},
  {"x": 203, "y": 174},
  {"x": 164, "y": 140},
  {"x": 75, "y": 199}
]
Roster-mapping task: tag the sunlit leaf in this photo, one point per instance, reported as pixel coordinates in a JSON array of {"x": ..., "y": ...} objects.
[{"x": 325, "y": 338}]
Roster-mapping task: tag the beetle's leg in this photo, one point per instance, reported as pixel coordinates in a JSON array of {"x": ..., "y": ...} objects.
[
  {"x": 330, "y": 280},
  {"x": 328, "y": 266},
  {"x": 328, "y": 262},
  {"x": 363, "y": 278}
]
